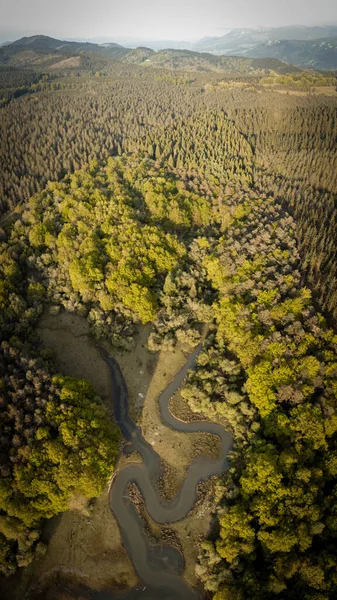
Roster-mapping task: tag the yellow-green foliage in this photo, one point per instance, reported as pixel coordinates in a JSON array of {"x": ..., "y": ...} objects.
[
  {"x": 171, "y": 203},
  {"x": 104, "y": 238},
  {"x": 277, "y": 525},
  {"x": 236, "y": 535},
  {"x": 302, "y": 81},
  {"x": 62, "y": 446}
]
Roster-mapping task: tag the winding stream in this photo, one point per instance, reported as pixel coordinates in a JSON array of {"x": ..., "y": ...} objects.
[{"x": 159, "y": 568}]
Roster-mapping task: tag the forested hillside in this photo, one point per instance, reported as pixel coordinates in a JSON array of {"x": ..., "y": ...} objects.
[
  {"x": 134, "y": 195},
  {"x": 47, "y": 134},
  {"x": 41, "y": 52},
  {"x": 132, "y": 241}
]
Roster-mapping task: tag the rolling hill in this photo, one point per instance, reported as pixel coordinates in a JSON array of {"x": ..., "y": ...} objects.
[
  {"x": 33, "y": 49},
  {"x": 43, "y": 52},
  {"x": 201, "y": 61},
  {"x": 308, "y": 47}
]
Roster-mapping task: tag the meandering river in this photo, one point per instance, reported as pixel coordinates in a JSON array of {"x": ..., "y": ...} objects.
[{"x": 159, "y": 568}]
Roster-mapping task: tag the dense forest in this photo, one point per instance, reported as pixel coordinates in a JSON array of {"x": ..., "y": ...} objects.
[
  {"x": 271, "y": 373},
  {"x": 293, "y": 139},
  {"x": 138, "y": 195}
]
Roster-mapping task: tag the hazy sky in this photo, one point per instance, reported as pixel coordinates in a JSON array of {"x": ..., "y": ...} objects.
[{"x": 155, "y": 19}]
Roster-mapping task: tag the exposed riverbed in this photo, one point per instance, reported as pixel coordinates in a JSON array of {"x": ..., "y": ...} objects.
[{"x": 159, "y": 568}]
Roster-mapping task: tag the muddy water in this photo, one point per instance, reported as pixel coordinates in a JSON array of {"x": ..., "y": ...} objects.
[{"x": 160, "y": 567}]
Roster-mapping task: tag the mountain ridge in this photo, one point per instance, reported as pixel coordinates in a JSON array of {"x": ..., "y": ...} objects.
[
  {"x": 41, "y": 51},
  {"x": 297, "y": 44},
  {"x": 207, "y": 54}
]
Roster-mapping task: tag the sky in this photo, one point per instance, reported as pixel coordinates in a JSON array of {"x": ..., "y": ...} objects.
[{"x": 154, "y": 19}]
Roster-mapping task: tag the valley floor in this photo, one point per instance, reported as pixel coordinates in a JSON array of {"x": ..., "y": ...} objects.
[{"x": 84, "y": 544}]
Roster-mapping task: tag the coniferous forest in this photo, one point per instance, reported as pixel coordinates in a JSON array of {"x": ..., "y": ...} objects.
[{"x": 135, "y": 195}]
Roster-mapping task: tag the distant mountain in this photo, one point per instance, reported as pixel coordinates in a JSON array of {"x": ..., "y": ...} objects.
[
  {"x": 140, "y": 55},
  {"x": 260, "y": 43},
  {"x": 309, "y": 47},
  {"x": 43, "y": 42},
  {"x": 39, "y": 49},
  {"x": 38, "y": 42},
  {"x": 318, "y": 54},
  {"x": 200, "y": 61},
  {"x": 238, "y": 39},
  {"x": 294, "y": 44},
  {"x": 43, "y": 52},
  {"x": 162, "y": 44},
  {"x": 109, "y": 45}
]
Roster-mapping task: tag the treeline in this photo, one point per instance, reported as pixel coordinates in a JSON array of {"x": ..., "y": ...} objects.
[{"x": 105, "y": 239}]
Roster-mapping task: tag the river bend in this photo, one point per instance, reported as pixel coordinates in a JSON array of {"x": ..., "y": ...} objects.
[{"x": 159, "y": 568}]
